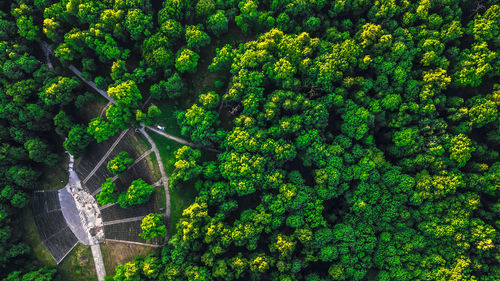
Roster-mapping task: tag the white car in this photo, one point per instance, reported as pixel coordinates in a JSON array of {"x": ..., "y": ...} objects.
[{"x": 160, "y": 127}]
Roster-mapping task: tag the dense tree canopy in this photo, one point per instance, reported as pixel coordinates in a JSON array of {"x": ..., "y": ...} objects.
[{"x": 331, "y": 140}]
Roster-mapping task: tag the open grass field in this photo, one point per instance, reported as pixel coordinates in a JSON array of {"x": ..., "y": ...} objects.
[
  {"x": 153, "y": 166},
  {"x": 167, "y": 149},
  {"x": 115, "y": 253}
]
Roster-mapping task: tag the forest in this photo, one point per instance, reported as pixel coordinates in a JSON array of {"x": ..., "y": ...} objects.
[{"x": 334, "y": 140}]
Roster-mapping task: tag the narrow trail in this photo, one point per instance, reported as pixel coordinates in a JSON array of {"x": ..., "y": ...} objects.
[
  {"x": 164, "y": 177},
  {"x": 122, "y": 134},
  {"x": 108, "y": 205},
  {"x": 103, "y": 111},
  {"x": 47, "y": 52},
  {"x": 91, "y": 84},
  {"x": 181, "y": 141}
]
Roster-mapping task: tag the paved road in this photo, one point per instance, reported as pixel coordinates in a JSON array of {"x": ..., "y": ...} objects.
[{"x": 99, "y": 264}]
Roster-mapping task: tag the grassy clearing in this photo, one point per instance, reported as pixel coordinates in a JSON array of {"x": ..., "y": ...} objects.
[
  {"x": 181, "y": 197},
  {"x": 167, "y": 148},
  {"x": 153, "y": 166},
  {"x": 92, "y": 109},
  {"x": 140, "y": 143},
  {"x": 160, "y": 203},
  {"x": 78, "y": 265},
  {"x": 116, "y": 253},
  {"x": 168, "y": 118}
]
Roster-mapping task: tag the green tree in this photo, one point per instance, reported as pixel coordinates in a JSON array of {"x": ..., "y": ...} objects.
[
  {"x": 218, "y": 23},
  {"x": 196, "y": 38},
  {"x": 204, "y": 8},
  {"x": 60, "y": 92},
  {"x": 120, "y": 163},
  {"x": 106, "y": 195},
  {"x": 186, "y": 61},
  {"x": 139, "y": 192},
  {"x": 78, "y": 139},
  {"x": 172, "y": 88},
  {"x": 138, "y": 24},
  {"x": 100, "y": 129},
  {"x": 152, "y": 226},
  {"x": 460, "y": 149},
  {"x": 62, "y": 123},
  {"x": 185, "y": 163},
  {"x": 126, "y": 94}
]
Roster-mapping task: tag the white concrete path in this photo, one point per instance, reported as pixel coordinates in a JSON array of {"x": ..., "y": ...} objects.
[{"x": 98, "y": 262}]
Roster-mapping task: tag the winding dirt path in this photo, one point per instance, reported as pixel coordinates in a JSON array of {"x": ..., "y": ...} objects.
[{"x": 164, "y": 178}]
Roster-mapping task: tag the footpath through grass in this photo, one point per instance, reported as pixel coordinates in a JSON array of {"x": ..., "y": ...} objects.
[{"x": 180, "y": 197}]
